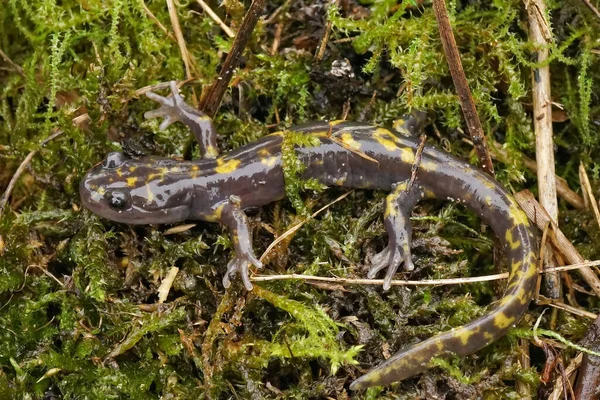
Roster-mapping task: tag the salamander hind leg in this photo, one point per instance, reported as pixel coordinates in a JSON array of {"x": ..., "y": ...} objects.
[
  {"x": 398, "y": 206},
  {"x": 231, "y": 215}
]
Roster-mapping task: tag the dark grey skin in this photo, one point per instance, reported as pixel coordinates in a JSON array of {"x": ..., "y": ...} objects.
[{"x": 354, "y": 155}]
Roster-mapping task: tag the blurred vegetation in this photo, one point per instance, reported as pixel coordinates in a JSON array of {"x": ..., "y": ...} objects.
[{"x": 79, "y": 316}]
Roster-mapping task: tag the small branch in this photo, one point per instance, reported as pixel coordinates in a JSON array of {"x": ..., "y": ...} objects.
[
  {"x": 401, "y": 282},
  {"x": 565, "y": 307},
  {"x": 562, "y": 187},
  {"x": 16, "y": 66},
  {"x": 212, "y": 101},
  {"x": 324, "y": 40},
  {"x": 587, "y": 187},
  {"x": 157, "y": 22},
  {"x": 348, "y": 281},
  {"x": 185, "y": 56},
  {"x": 592, "y": 8},
  {"x": 540, "y": 36},
  {"x": 19, "y": 171},
  {"x": 228, "y": 31},
  {"x": 299, "y": 225},
  {"x": 540, "y": 217},
  {"x": 462, "y": 86}
]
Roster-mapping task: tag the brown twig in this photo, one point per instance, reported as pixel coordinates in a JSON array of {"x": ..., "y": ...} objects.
[
  {"x": 587, "y": 187},
  {"x": 562, "y": 187},
  {"x": 157, "y": 22},
  {"x": 592, "y": 8},
  {"x": 277, "y": 38},
  {"x": 540, "y": 217},
  {"x": 185, "y": 55},
  {"x": 16, "y": 66},
  {"x": 324, "y": 40},
  {"x": 228, "y": 31},
  {"x": 399, "y": 282},
  {"x": 415, "y": 165},
  {"x": 540, "y": 36},
  {"x": 565, "y": 307},
  {"x": 212, "y": 101},
  {"x": 19, "y": 171},
  {"x": 462, "y": 86}
]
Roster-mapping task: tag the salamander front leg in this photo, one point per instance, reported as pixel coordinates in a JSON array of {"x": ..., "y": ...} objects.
[
  {"x": 232, "y": 216},
  {"x": 398, "y": 206},
  {"x": 175, "y": 109}
]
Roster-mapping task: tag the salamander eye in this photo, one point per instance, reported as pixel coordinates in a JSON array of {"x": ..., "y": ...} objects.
[
  {"x": 119, "y": 199},
  {"x": 114, "y": 160}
]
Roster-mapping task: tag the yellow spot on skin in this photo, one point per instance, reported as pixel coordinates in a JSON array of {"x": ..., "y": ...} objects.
[
  {"x": 391, "y": 206},
  {"x": 101, "y": 191},
  {"x": 341, "y": 181},
  {"x": 512, "y": 242},
  {"x": 487, "y": 183},
  {"x": 119, "y": 172},
  {"x": 227, "y": 167},
  {"x": 502, "y": 321},
  {"x": 387, "y": 140},
  {"x": 518, "y": 216},
  {"x": 488, "y": 200},
  {"x": 149, "y": 194},
  {"x": 348, "y": 140},
  {"x": 132, "y": 168},
  {"x": 407, "y": 156},
  {"x": 211, "y": 152},
  {"x": 264, "y": 153},
  {"x": 464, "y": 334},
  {"x": 269, "y": 161},
  {"x": 428, "y": 166},
  {"x": 131, "y": 181},
  {"x": 194, "y": 168},
  {"x": 488, "y": 336},
  {"x": 515, "y": 267}
]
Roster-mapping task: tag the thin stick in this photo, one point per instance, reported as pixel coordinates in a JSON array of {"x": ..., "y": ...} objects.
[
  {"x": 562, "y": 187},
  {"x": 415, "y": 165},
  {"x": 539, "y": 216},
  {"x": 157, "y": 22},
  {"x": 16, "y": 66},
  {"x": 277, "y": 38},
  {"x": 19, "y": 171},
  {"x": 540, "y": 35},
  {"x": 462, "y": 86},
  {"x": 180, "y": 40},
  {"x": 591, "y": 7},
  {"x": 299, "y": 225},
  {"x": 212, "y": 101},
  {"x": 401, "y": 282},
  {"x": 565, "y": 307},
  {"x": 216, "y": 18},
  {"x": 585, "y": 182}
]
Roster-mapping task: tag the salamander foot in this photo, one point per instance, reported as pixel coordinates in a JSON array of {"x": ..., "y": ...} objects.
[{"x": 241, "y": 264}]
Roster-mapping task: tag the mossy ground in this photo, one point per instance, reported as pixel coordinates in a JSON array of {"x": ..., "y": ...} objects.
[{"x": 78, "y": 311}]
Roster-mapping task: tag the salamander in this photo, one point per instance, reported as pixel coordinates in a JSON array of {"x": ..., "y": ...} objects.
[{"x": 218, "y": 188}]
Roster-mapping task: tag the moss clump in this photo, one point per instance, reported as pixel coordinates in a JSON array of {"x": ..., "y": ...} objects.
[{"x": 78, "y": 311}]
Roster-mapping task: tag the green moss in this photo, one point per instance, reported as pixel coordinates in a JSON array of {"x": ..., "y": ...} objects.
[{"x": 76, "y": 289}]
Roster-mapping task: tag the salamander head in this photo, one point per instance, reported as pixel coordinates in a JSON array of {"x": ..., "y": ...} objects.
[{"x": 134, "y": 191}]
